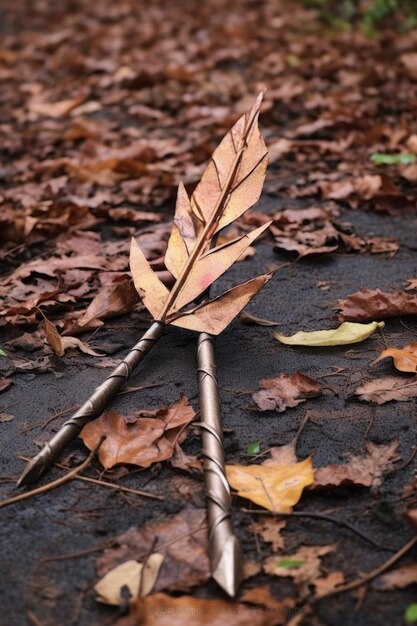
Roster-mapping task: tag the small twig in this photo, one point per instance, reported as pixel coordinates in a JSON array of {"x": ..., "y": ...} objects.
[
  {"x": 144, "y": 564},
  {"x": 54, "y": 483},
  {"x": 33, "y": 619},
  {"x": 77, "y": 555},
  {"x": 358, "y": 582},
  {"x": 109, "y": 485},
  {"x": 323, "y": 517}
]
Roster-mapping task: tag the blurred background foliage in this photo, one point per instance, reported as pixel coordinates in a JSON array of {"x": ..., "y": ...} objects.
[{"x": 370, "y": 15}]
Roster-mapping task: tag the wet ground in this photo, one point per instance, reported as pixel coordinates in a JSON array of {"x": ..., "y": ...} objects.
[{"x": 78, "y": 516}]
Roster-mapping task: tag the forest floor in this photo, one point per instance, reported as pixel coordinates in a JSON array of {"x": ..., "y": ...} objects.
[{"x": 105, "y": 107}]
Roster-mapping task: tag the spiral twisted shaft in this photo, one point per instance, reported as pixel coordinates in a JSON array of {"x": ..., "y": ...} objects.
[
  {"x": 224, "y": 547},
  {"x": 92, "y": 407}
]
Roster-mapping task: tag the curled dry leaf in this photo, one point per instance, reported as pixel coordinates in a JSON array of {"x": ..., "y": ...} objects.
[
  {"x": 142, "y": 438},
  {"x": 163, "y": 610},
  {"x": 182, "y": 540},
  {"x": 270, "y": 531},
  {"x": 114, "y": 299},
  {"x": 346, "y": 333},
  {"x": 381, "y": 390},
  {"x": 60, "y": 344},
  {"x": 361, "y": 471},
  {"x": 275, "y": 487},
  {"x": 139, "y": 578},
  {"x": 285, "y": 390},
  {"x": 367, "y": 304},
  {"x": 405, "y": 359}
]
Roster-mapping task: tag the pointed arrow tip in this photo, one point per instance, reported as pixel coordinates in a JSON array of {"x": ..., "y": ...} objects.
[{"x": 228, "y": 570}]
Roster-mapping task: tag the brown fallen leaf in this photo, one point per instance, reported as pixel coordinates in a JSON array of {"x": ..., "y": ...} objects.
[
  {"x": 405, "y": 359},
  {"x": 182, "y": 540},
  {"x": 275, "y": 487},
  {"x": 163, "y": 610},
  {"x": 5, "y": 383},
  {"x": 303, "y": 566},
  {"x": 367, "y": 305},
  {"x": 270, "y": 531},
  {"x": 6, "y": 417},
  {"x": 142, "y": 438},
  {"x": 114, "y": 299},
  {"x": 397, "y": 579},
  {"x": 381, "y": 390},
  {"x": 261, "y": 596},
  {"x": 285, "y": 390},
  {"x": 60, "y": 344},
  {"x": 361, "y": 471},
  {"x": 411, "y": 284}
]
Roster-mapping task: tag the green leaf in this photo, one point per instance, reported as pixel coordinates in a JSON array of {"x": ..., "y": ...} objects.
[
  {"x": 380, "y": 158},
  {"x": 410, "y": 614},
  {"x": 2, "y": 352},
  {"x": 254, "y": 448},
  {"x": 290, "y": 563}
]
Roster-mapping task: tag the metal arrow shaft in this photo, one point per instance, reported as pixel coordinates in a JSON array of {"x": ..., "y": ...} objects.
[
  {"x": 92, "y": 407},
  {"x": 224, "y": 547}
]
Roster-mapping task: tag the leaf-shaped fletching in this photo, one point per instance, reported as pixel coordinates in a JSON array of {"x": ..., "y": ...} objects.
[
  {"x": 213, "y": 316},
  {"x": 183, "y": 234},
  {"x": 213, "y": 264},
  {"x": 150, "y": 289},
  {"x": 237, "y": 168}
]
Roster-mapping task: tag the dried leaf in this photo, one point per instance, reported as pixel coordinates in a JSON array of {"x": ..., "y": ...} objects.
[
  {"x": 276, "y": 488},
  {"x": 405, "y": 359},
  {"x": 182, "y": 540},
  {"x": 346, "y": 333},
  {"x": 361, "y": 471},
  {"x": 114, "y": 299},
  {"x": 6, "y": 417},
  {"x": 5, "y": 383},
  {"x": 270, "y": 531},
  {"x": 151, "y": 290},
  {"x": 366, "y": 305},
  {"x": 60, "y": 344},
  {"x": 285, "y": 390},
  {"x": 303, "y": 566},
  {"x": 397, "y": 579},
  {"x": 214, "y": 316},
  {"x": 381, "y": 390},
  {"x": 163, "y": 610},
  {"x": 139, "y": 578},
  {"x": 261, "y": 596},
  {"x": 143, "y": 438}
]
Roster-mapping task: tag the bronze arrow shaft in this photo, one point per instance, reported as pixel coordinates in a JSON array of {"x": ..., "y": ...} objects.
[
  {"x": 92, "y": 408},
  {"x": 224, "y": 547}
]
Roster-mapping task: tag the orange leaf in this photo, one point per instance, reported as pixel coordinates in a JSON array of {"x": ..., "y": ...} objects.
[
  {"x": 152, "y": 291},
  {"x": 213, "y": 316},
  {"x": 405, "y": 359}
]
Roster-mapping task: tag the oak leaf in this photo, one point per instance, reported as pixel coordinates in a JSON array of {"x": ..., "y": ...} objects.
[
  {"x": 381, "y": 390},
  {"x": 276, "y": 488},
  {"x": 367, "y": 304},
  {"x": 285, "y": 390},
  {"x": 143, "y": 438}
]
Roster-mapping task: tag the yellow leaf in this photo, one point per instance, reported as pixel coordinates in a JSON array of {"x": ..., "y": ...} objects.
[
  {"x": 348, "y": 332},
  {"x": 152, "y": 291},
  {"x": 182, "y": 236},
  {"x": 274, "y": 487},
  {"x": 139, "y": 578},
  {"x": 213, "y": 317},
  {"x": 405, "y": 359}
]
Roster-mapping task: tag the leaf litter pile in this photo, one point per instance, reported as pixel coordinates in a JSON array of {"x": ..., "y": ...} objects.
[{"x": 106, "y": 107}]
